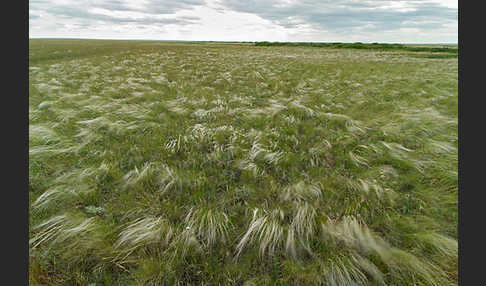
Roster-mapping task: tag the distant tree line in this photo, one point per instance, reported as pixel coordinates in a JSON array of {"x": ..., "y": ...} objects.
[{"x": 358, "y": 45}]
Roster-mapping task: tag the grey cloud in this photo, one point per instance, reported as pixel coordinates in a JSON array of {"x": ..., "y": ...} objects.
[
  {"x": 161, "y": 6},
  {"x": 338, "y": 17},
  {"x": 345, "y": 15},
  {"x": 152, "y": 7},
  {"x": 85, "y": 15},
  {"x": 81, "y": 10}
]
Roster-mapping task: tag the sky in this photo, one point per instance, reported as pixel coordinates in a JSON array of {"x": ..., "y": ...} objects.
[{"x": 387, "y": 21}]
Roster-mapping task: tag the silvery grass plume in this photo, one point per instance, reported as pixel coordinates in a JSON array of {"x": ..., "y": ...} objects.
[
  {"x": 307, "y": 110},
  {"x": 65, "y": 115},
  {"x": 95, "y": 104},
  {"x": 303, "y": 221},
  {"x": 50, "y": 230},
  {"x": 269, "y": 230},
  {"x": 301, "y": 87},
  {"x": 301, "y": 191},
  {"x": 75, "y": 229},
  {"x": 252, "y": 113},
  {"x": 185, "y": 242},
  {"x": 145, "y": 175},
  {"x": 428, "y": 114},
  {"x": 387, "y": 171},
  {"x": 440, "y": 147},
  {"x": 184, "y": 143},
  {"x": 398, "y": 152},
  {"x": 201, "y": 133},
  {"x": 44, "y": 141},
  {"x": 301, "y": 229},
  {"x": 265, "y": 228},
  {"x": 349, "y": 271},
  {"x": 137, "y": 111},
  {"x": 85, "y": 175},
  {"x": 51, "y": 150},
  {"x": 271, "y": 110},
  {"x": 317, "y": 153},
  {"x": 357, "y": 159},
  {"x": 370, "y": 189},
  {"x": 170, "y": 180},
  {"x": 392, "y": 129},
  {"x": 335, "y": 116},
  {"x": 436, "y": 242},
  {"x": 275, "y": 107},
  {"x": 400, "y": 263},
  {"x": 258, "y": 75},
  {"x": 71, "y": 186},
  {"x": 428, "y": 122},
  {"x": 103, "y": 125},
  {"x": 209, "y": 225},
  {"x": 56, "y": 194},
  {"x": 396, "y": 148},
  {"x": 291, "y": 119},
  {"x": 34, "y": 114},
  {"x": 246, "y": 164},
  {"x": 43, "y": 135},
  {"x": 141, "y": 233},
  {"x": 176, "y": 144},
  {"x": 273, "y": 158},
  {"x": 258, "y": 153},
  {"x": 354, "y": 127},
  {"x": 207, "y": 113},
  {"x": 88, "y": 137},
  {"x": 156, "y": 174}
]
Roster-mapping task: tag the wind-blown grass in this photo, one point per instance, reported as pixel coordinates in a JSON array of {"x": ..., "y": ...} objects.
[{"x": 157, "y": 163}]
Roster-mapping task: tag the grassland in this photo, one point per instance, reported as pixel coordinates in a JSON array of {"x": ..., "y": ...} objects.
[
  {"x": 450, "y": 50},
  {"x": 165, "y": 163}
]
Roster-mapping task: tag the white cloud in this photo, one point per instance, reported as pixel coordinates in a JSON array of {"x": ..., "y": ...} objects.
[
  {"x": 448, "y": 3},
  {"x": 427, "y": 21}
]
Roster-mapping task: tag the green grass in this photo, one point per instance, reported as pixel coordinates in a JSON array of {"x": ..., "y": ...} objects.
[
  {"x": 166, "y": 163},
  {"x": 374, "y": 46}
]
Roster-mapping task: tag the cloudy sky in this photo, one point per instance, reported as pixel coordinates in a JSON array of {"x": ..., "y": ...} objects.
[{"x": 400, "y": 21}]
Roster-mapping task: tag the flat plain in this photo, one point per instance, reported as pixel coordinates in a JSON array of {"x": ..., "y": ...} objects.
[{"x": 178, "y": 163}]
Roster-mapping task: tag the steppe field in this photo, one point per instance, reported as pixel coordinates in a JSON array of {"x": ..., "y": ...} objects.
[{"x": 205, "y": 163}]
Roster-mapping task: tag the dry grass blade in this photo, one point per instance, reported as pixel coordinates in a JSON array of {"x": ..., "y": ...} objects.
[
  {"x": 208, "y": 224},
  {"x": 301, "y": 191},
  {"x": 145, "y": 231},
  {"x": 403, "y": 264},
  {"x": 264, "y": 228}
]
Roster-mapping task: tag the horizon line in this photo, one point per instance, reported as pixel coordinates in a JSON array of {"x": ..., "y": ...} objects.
[{"x": 236, "y": 41}]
